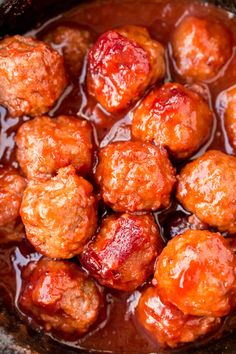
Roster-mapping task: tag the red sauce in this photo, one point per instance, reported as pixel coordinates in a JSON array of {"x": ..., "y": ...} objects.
[{"x": 119, "y": 331}]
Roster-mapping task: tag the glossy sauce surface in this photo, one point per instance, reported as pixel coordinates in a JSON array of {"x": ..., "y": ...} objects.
[{"x": 118, "y": 332}]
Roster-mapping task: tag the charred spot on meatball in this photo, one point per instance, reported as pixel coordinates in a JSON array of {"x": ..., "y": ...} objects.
[
  {"x": 60, "y": 297},
  {"x": 200, "y": 48},
  {"x": 123, "y": 252},
  {"x": 174, "y": 117},
  {"x": 166, "y": 324},
  {"x": 207, "y": 188},
  {"x": 44, "y": 145},
  {"x": 135, "y": 176},
  {"x": 122, "y": 64},
  {"x": 32, "y": 76},
  {"x": 196, "y": 273},
  {"x": 59, "y": 214}
]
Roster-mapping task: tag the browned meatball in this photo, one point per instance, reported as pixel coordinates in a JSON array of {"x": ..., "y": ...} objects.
[
  {"x": 200, "y": 48},
  {"x": 174, "y": 117},
  {"x": 60, "y": 297},
  {"x": 207, "y": 188},
  {"x": 123, "y": 253},
  {"x": 59, "y": 214},
  {"x": 229, "y": 98},
  {"x": 122, "y": 64},
  {"x": 135, "y": 176},
  {"x": 167, "y": 324},
  {"x": 73, "y": 43},
  {"x": 12, "y": 187},
  {"x": 32, "y": 76},
  {"x": 196, "y": 273},
  {"x": 46, "y": 144}
]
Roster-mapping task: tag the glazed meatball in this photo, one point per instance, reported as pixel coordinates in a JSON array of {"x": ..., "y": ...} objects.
[
  {"x": 196, "y": 273},
  {"x": 122, "y": 64},
  {"x": 73, "y": 43},
  {"x": 207, "y": 188},
  {"x": 123, "y": 253},
  {"x": 59, "y": 214},
  {"x": 167, "y": 324},
  {"x": 230, "y": 114},
  {"x": 60, "y": 297},
  {"x": 12, "y": 187},
  {"x": 174, "y": 117},
  {"x": 135, "y": 176},
  {"x": 200, "y": 48},
  {"x": 46, "y": 144},
  {"x": 32, "y": 76}
]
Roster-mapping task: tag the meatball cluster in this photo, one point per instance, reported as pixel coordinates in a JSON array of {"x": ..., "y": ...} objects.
[
  {"x": 174, "y": 117},
  {"x": 60, "y": 296},
  {"x": 122, "y": 64},
  {"x": 32, "y": 76}
]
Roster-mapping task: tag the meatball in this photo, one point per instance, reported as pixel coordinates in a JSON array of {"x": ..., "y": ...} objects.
[
  {"x": 230, "y": 115},
  {"x": 123, "y": 253},
  {"x": 207, "y": 188},
  {"x": 12, "y": 187},
  {"x": 122, "y": 64},
  {"x": 196, "y": 273},
  {"x": 59, "y": 214},
  {"x": 174, "y": 117},
  {"x": 135, "y": 176},
  {"x": 73, "y": 43},
  {"x": 167, "y": 324},
  {"x": 46, "y": 144},
  {"x": 200, "y": 48},
  {"x": 32, "y": 76},
  {"x": 60, "y": 297}
]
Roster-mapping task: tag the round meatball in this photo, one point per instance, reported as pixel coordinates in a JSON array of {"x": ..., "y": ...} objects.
[
  {"x": 60, "y": 297},
  {"x": 200, "y": 48},
  {"x": 32, "y": 76},
  {"x": 207, "y": 188},
  {"x": 167, "y": 324},
  {"x": 123, "y": 253},
  {"x": 174, "y": 117},
  {"x": 73, "y": 43},
  {"x": 46, "y": 144},
  {"x": 12, "y": 187},
  {"x": 59, "y": 214},
  {"x": 135, "y": 176},
  {"x": 122, "y": 64},
  {"x": 230, "y": 114},
  {"x": 196, "y": 273}
]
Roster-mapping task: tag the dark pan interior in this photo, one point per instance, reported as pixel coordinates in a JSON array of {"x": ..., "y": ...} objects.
[{"x": 17, "y": 16}]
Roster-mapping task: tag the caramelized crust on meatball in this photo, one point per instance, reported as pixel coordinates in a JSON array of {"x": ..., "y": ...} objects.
[
  {"x": 174, "y": 117},
  {"x": 135, "y": 176},
  {"x": 73, "y": 43},
  {"x": 60, "y": 297},
  {"x": 196, "y": 273},
  {"x": 230, "y": 114},
  {"x": 168, "y": 325},
  {"x": 46, "y": 144},
  {"x": 32, "y": 76},
  {"x": 207, "y": 188},
  {"x": 123, "y": 253},
  {"x": 12, "y": 187},
  {"x": 122, "y": 64},
  {"x": 200, "y": 48},
  {"x": 59, "y": 214}
]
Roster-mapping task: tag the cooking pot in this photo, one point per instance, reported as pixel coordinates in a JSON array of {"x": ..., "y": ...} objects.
[{"x": 17, "y": 16}]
